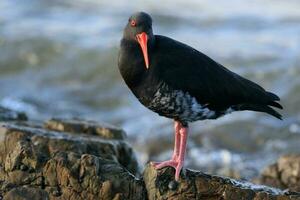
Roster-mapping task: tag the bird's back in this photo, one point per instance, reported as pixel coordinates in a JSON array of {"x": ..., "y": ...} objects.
[{"x": 186, "y": 69}]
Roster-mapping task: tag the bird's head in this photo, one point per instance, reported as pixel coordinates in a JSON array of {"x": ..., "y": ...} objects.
[{"x": 139, "y": 29}]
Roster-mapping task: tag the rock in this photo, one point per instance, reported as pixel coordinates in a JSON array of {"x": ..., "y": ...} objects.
[
  {"x": 39, "y": 162},
  {"x": 196, "y": 185},
  {"x": 38, "y": 144},
  {"x": 87, "y": 127},
  {"x": 82, "y": 160},
  {"x": 10, "y": 115},
  {"x": 284, "y": 174},
  {"x": 71, "y": 176},
  {"x": 26, "y": 193}
]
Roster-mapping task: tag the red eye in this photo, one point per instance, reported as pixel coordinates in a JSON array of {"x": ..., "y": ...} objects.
[{"x": 132, "y": 23}]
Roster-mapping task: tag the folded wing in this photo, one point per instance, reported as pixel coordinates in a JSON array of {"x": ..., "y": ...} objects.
[{"x": 209, "y": 82}]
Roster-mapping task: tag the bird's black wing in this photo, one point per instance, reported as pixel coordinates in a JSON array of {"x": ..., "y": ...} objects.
[{"x": 189, "y": 70}]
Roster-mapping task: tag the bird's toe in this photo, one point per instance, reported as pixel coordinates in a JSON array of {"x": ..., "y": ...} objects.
[{"x": 169, "y": 163}]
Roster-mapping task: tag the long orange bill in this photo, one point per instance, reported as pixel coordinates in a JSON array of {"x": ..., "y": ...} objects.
[{"x": 142, "y": 38}]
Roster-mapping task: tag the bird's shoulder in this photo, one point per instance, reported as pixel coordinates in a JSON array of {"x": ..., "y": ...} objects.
[
  {"x": 173, "y": 56},
  {"x": 172, "y": 46}
]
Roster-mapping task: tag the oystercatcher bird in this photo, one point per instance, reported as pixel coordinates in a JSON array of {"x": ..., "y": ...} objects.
[{"x": 181, "y": 83}]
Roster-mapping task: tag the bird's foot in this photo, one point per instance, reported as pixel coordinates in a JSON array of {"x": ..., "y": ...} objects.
[{"x": 177, "y": 165}]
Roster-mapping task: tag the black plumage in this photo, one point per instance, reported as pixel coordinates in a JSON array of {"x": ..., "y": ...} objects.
[
  {"x": 181, "y": 83},
  {"x": 174, "y": 66}
]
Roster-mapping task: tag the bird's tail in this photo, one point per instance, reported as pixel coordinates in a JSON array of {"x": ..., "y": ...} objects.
[
  {"x": 259, "y": 108},
  {"x": 266, "y": 108}
]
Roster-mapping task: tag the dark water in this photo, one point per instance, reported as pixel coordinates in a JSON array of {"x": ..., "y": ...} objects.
[{"x": 59, "y": 58}]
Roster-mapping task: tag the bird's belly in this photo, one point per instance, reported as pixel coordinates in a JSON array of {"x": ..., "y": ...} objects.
[{"x": 179, "y": 105}]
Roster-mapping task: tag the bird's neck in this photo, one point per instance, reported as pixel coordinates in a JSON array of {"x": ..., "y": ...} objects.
[
  {"x": 142, "y": 81},
  {"x": 131, "y": 63}
]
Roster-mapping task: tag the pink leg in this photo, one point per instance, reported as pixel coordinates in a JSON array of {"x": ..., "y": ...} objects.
[
  {"x": 179, "y": 150},
  {"x": 172, "y": 162},
  {"x": 182, "y": 149},
  {"x": 177, "y": 140}
]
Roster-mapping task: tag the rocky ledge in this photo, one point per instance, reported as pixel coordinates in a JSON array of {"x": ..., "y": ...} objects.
[
  {"x": 284, "y": 174},
  {"x": 80, "y": 160}
]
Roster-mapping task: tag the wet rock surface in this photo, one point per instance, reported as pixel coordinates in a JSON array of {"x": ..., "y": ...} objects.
[
  {"x": 196, "y": 185},
  {"x": 8, "y": 115},
  {"x": 284, "y": 174},
  {"x": 81, "y": 160}
]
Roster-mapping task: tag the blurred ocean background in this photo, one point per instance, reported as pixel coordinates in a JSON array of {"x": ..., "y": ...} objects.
[{"x": 58, "y": 58}]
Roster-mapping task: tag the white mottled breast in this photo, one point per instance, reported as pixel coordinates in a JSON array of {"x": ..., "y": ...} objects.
[{"x": 179, "y": 105}]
